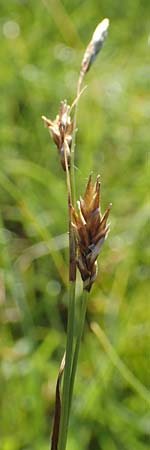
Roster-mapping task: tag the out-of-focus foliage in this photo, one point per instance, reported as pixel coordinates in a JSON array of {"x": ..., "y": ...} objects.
[{"x": 42, "y": 44}]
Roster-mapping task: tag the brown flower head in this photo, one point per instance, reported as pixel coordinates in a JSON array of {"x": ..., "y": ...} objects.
[
  {"x": 61, "y": 131},
  {"x": 91, "y": 231}
]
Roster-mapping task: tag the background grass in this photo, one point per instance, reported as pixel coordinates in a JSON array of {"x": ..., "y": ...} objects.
[{"x": 42, "y": 44}]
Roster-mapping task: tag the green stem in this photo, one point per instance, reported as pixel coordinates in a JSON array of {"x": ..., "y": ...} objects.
[
  {"x": 78, "y": 342},
  {"x": 71, "y": 188},
  {"x": 67, "y": 371},
  {"x": 72, "y": 177}
]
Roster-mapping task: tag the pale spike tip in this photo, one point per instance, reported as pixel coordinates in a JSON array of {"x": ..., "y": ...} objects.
[{"x": 101, "y": 29}]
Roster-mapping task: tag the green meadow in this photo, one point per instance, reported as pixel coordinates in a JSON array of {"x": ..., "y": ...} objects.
[{"x": 42, "y": 45}]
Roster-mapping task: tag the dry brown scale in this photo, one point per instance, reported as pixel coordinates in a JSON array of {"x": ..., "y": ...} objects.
[
  {"x": 61, "y": 130},
  {"x": 91, "y": 230}
]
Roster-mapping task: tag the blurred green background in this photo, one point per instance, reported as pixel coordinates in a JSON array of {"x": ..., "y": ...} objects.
[{"x": 42, "y": 44}]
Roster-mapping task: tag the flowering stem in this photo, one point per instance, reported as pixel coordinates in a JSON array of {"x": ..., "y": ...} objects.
[
  {"x": 71, "y": 188},
  {"x": 72, "y": 178},
  {"x": 70, "y": 324},
  {"x": 68, "y": 363},
  {"x": 70, "y": 374},
  {"x": 78, "y": 342}
]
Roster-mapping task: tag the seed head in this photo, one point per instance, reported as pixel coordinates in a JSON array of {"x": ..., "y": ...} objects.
[
  {"x": 94, "y": 46},
  {"x": 91, "y": 231},
  {"x": 61, "y": 131}
]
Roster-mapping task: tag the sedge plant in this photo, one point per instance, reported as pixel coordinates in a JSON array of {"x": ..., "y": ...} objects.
[{"x": 88, "y": 230}]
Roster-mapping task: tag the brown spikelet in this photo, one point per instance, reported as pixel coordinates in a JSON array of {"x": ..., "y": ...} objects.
[
  {"x": 91, "y": 231},
  {"x": 61, "y": 131}
]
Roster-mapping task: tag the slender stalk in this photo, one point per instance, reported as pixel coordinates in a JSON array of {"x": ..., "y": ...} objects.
[
  {"x": 70, "y": 326},
  {"x": 71, "y": 189},
  {"x": 78, "y": 342},
  {"x": 72, "y": 177},
  {"x": 70, "y": 180},
  {"x": 66, "y": 382}
]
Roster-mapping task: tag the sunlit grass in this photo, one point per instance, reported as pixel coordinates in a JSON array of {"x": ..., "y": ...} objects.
[{"x": 36, "y": 72}]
